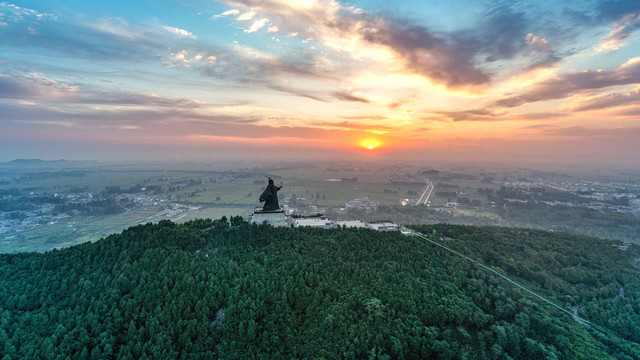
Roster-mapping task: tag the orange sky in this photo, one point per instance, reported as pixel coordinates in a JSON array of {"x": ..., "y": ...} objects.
[{"x": 458, "y": 80}]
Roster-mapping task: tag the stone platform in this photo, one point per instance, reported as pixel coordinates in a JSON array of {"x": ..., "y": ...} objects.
[{"x": 272, "y": 217}]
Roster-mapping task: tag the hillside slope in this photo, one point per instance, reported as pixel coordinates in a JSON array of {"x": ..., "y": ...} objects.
[{"x": 206, "y": 290}]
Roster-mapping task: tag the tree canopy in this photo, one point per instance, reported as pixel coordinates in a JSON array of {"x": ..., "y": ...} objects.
[{"x": 231, "y": 290}]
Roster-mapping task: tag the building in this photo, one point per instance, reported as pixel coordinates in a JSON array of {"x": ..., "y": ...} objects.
[
  {"x": 363, "y": 204},
  {"x": 383, "y": 225},
  {"x": 350, "y": 223},
  {"x": 321, "y": 222}
]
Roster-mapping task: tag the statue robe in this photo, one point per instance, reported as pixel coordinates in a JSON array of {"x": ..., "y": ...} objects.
[{"x": 270, "y": 197}]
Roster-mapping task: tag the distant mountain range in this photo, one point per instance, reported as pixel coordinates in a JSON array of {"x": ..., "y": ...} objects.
[{"x": 38, "y": 163}]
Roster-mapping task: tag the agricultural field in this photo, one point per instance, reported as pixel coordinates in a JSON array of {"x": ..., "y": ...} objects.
[
  {"x": 179, "y": 192},
  {"x": 46, "y": 208}
]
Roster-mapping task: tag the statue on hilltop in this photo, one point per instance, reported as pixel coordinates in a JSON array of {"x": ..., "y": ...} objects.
[{"x": 270, "y": 197}]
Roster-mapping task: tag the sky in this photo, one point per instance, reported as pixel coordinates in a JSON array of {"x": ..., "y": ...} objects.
[{"x": 525, "y": 81}]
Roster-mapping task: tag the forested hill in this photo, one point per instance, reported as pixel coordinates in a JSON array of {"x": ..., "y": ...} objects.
[{"x": 207, "y": 290}]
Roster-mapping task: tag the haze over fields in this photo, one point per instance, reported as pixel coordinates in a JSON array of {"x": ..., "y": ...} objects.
[{"x": 542, "y": 81}]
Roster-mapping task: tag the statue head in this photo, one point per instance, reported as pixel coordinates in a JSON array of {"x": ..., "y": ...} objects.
[{"x": 270, "y": 181}]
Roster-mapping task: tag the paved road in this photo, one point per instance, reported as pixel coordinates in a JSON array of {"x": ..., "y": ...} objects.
[{"x": 426, "y": 194}]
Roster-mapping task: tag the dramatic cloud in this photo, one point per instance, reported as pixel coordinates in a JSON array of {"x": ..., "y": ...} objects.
[
  {"x": 325, "y": 70},
  {"x": 348, "y": 29},
  {"x": 565, "y": 85},
  {"x": 499, "y": 35}
]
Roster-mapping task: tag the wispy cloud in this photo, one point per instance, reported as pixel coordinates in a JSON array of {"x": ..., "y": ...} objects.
[
  {"x": 257, "y": 25},
  {"x": 36, "y": 86},
  {"x": 580, "y": 131},
  {"x": 262, "y": 141},
  {"x": 619, "y": 34},
  {"x": 40, "y": 88},
  {"x": 498, "y": 35},
  {"x": 246, "y": 16},
  {"x": 180, "y": 32},
  {"x": 564, "y": 85},
  {"x": 231, "y": 12},
  {"x": 474, "y": 115},
  {"x": 67, "y": 124},
  {"x": 536, "y": 41},
  {"x": 350, "y": 125},
  {"x": 349, "y": 97},
  {"x": 14, "y": 12},
  {"x": 100, "y": 40},
  {"x": 607, "y": 101}
]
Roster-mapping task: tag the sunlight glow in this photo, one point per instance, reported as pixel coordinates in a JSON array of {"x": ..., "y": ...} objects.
[{"x": 370, "y": 143}]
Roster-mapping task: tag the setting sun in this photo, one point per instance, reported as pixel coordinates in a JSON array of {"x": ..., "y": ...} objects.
[{"x": 370, "y": 143}]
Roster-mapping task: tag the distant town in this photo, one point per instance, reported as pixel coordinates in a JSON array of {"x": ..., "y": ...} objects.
[{"x": 85, "y": 200}]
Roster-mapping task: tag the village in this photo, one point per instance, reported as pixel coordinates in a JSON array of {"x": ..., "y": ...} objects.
[{"x": 66, "y": 209}]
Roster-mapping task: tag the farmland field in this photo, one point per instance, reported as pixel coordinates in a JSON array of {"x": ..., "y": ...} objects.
[{"x": 182, "y": 192}]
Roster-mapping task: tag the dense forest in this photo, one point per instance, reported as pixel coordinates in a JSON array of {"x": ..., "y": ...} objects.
[
  {"x": 576, "y": 220},
  {"x": 212, "y": 289},
  {"x": 571, "y": 219}
]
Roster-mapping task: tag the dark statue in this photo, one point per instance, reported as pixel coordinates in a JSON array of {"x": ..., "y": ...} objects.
[{"x": 270, "y": 197}]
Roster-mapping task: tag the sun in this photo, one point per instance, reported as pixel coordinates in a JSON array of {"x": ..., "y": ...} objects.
[{"x": 370, "y": 143}]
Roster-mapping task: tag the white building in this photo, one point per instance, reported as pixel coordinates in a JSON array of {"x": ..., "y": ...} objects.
[
  {"x": 383, "y": 225},
  {"x": 350, "y": 223},
  {"x": 323, "y": 222}
]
